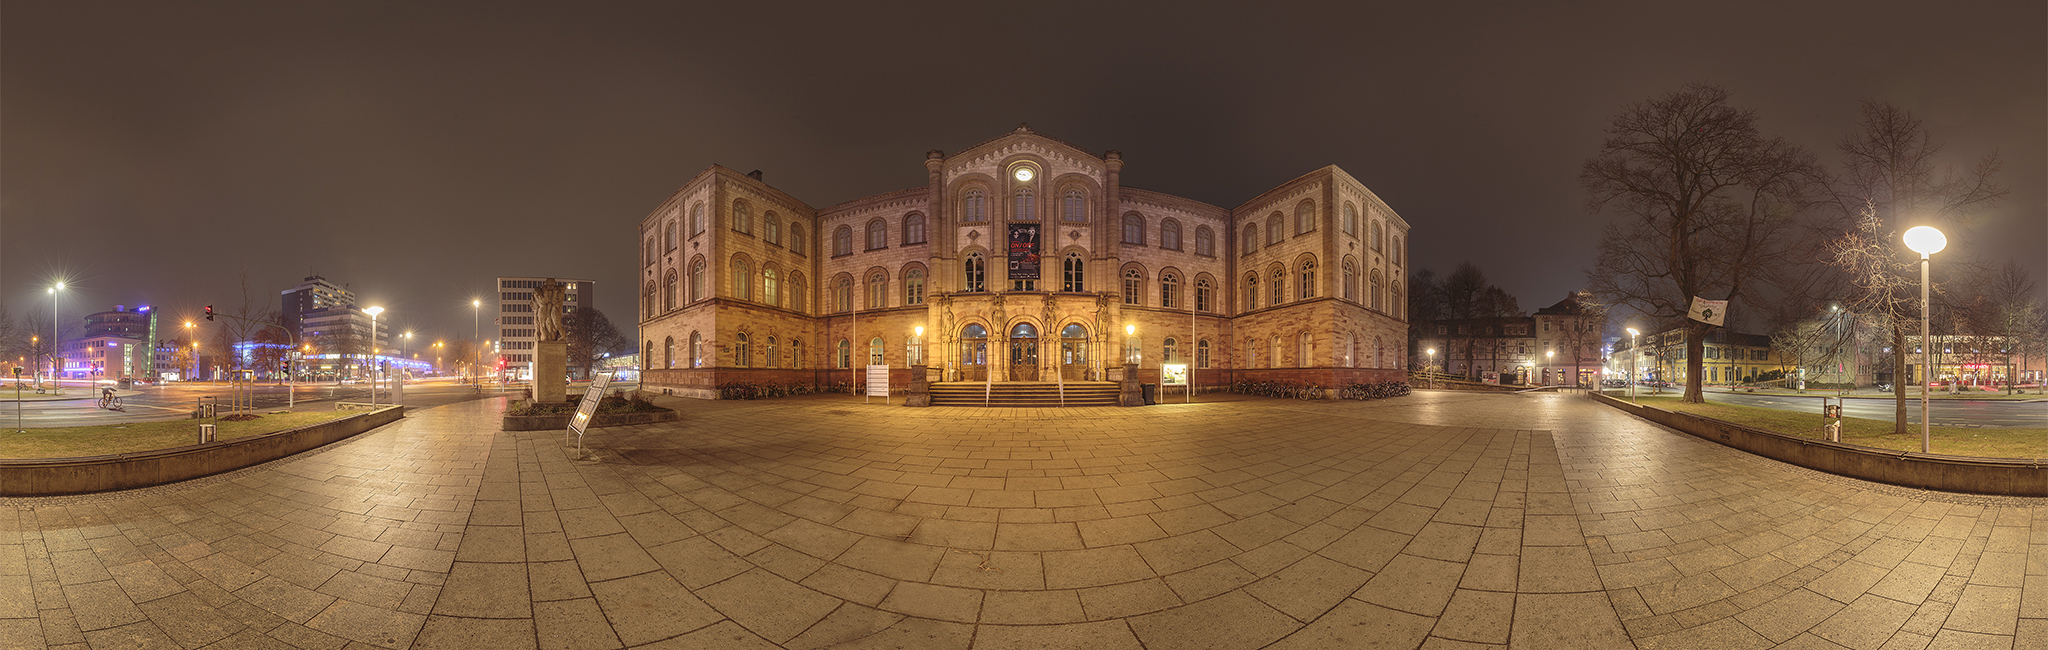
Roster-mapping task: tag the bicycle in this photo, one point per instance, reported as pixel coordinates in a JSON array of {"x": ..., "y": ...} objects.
[{"x": 111, "y": 402}]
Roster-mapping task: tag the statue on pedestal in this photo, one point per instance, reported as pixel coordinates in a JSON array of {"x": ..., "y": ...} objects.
[{"x": 547, "y": 308}]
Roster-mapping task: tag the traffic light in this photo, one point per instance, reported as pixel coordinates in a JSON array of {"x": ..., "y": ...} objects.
[{"x": 209, "y": 312}]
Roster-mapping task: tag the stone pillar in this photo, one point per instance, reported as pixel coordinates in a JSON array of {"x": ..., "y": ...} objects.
[
  {"x": 1130, "y": 394},
  {"x": 550, "y": 368},
  {"x": 920, "y": 388}
]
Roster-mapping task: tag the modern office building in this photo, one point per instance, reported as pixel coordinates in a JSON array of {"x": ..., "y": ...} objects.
[{"x": 517, "y": 330}]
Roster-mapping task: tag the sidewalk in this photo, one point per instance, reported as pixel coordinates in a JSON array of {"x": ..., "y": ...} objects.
[{"x": 1872, "y": 393}]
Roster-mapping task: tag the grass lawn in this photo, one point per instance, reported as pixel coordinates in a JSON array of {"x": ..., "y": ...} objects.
[
  {"x": 2017, "y": 442},
  {"x": 99, "y": 440}
]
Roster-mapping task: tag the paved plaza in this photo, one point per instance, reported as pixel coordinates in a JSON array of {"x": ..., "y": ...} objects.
[{"x": 1439, "y": 520}]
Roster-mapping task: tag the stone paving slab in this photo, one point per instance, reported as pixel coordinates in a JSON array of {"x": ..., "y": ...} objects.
[{"x": 1439, "y": 520}]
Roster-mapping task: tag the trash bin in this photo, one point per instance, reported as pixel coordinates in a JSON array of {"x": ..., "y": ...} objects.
[{"x": 1151, "y": 392}]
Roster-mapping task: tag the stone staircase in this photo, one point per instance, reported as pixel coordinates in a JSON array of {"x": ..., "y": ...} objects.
[{"x": 1079, "y": 393}]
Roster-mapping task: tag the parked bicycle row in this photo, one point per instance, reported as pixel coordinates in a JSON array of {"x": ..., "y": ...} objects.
[{"x": 1312, "y": 391}]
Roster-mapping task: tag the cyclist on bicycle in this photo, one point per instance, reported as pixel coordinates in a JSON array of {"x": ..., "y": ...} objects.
[{"x": 107, "y": 397}]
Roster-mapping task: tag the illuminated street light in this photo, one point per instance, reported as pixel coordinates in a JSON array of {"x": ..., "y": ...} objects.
[
  {"x": 1431, "y": 367},
  {"x": 56, "y": 351},
  {"x": 1926, "y": 241},
  {"x": 373, "y": 312}
]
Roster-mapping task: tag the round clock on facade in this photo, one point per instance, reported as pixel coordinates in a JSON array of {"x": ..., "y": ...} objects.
[{"x": 1024, "y": 174}]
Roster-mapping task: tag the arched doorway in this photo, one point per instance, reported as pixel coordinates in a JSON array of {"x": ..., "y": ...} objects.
[
  {"x": 974, "y": 353},
  {"x": 1024, "y": 353},
  {"x": 1074, "y": 352}
]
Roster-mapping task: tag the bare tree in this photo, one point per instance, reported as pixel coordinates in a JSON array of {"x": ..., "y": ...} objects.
[
  {"x": 591, "y": 336},
  {"x": 2004, "y": 312},
  {"x": 1705, "y": 203},
  {"x": 1892, "y": 181}
]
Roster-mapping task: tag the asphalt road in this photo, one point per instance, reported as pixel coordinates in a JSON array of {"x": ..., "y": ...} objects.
[{"x": 1944, "y": 412}]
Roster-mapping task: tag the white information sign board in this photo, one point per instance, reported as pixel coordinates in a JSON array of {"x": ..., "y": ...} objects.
[
  {"x": 1173, "y": 374},
  {"x": 878, "y": 382},
  {"x": 588, "y": 409}
]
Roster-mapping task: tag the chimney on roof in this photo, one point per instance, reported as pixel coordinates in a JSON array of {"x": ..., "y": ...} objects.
[{"x": 756, "y": 174}]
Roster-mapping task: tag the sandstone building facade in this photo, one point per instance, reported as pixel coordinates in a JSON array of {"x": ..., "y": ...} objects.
[{"x": 1022, "y": 259}]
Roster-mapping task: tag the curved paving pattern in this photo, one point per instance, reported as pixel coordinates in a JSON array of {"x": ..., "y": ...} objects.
[{"x": 1441, "y": 520}]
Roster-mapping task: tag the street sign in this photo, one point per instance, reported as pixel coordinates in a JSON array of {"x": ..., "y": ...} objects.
[
  {"x": 878, "y": 381},
  {"x": 588, "y": 409}
]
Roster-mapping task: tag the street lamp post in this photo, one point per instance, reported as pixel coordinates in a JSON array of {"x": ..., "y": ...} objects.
[
  {"x": 1547, "y": 354},
  {"x": 1926, "y": 241},
  {"x": 1431, "y": 368},
  {"x": 475, "y": 332},
  {"x": 56, "y": 351},
  {"x": 373, "y": 312},
  {"x": 1634, "y": 353}
]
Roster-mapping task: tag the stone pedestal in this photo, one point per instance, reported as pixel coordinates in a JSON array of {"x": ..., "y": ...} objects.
[
  {"x": 920, "y": 388},
  {"x": 1131, "y": 394},
  {"x": 550, "y": 368}
]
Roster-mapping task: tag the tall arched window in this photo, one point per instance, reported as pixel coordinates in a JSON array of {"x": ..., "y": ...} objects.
[
  {"x": 668, "y": 352},
  {"x": 1350, "y": 281},
  {"x": 1278, "y": 288},
  {"x": 651, "y": 305},
  {"x": 878, "y": 235},
  {"x": 976, "y": 272},
  {"x": 771, "y": 361},
  {"x": 974, "y": 206},
  {"x": 1251, "y": 353},
  {"x": 742, "y": 350},
  {"x": 1377, "y": 238},
  {"x": 1399, "y": 309},
  {"x": 1073, "y": 207},
  {"x": 1026, "y": 207},
  {"x": 1302, "y": 356},
  {"x": 913, "y": 286},
  {"x": 652, "y": 255},
  {"x": 796, "y": 354},
  {"x": 1273, "y": 352},
  {"x": 647, "y": 352},
  {"x": 1350, "y": 350},
  {"x": 1073, "y": 273},
  {"x": 842, "y": 241},
  {"x": 1205, "y": 295},
  {"x": 697, "y": 220},
  {"x": 913, "y": 228},
  {"x": 842, "y": 356},
  {"x": 1350, "y": 219},
  {"x": 1304, "y": 217},
  {"x": 1276, "y": 229},
  {"x": 875, "y": 349},
  {"x": 742, "y": 279},
  {"x": 799, "y": 298},
  {"x": 1251, "y": 239},
  {"x": 1202, "y": 353},
  {"x": 1169, "y": 350},
  {"x": 1134, "y": 287},
  {"x": 1396, "y": 253},
  {"x": 696, "y": 350},
  {"x": 1379, "y": 353},
  {"x": 878, "y": 291},
  {"x": 742, "y": 217},
  {"x": 771, "y": 288},
  {"x": 1251, "y": 291},
  {"x": 1169, "y": 234},
  {"x": 1376, "y": 291},
  {"x": 796, "y": 239},
  {"x": 1169, "y": 290},
  {"x": 697, "y": 281},
  {"x": 771, "y": 228},
  {"x": 1308, "y": 278},
  {"x": 668, "y": 292},
  {"x": 668, "y": 236},
  {"x": 1134, "y": 229},
  {"x": 1205, "y": 241},
  {"x": 842, "y": 294}
]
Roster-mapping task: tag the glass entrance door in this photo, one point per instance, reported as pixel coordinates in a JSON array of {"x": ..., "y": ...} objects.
[
  {"x": 1074, "y": 353},
  {"x": 1024, "y": 353},
  {"x": 974, "y": 353}
]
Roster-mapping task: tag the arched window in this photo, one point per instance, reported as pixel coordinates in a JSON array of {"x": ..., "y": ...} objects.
[
  {"x": 647, "y": 354},
  {"x": 842, "y": 294},
  {"x": 696, "y": 350},
  {"x": 1073, "y": 207},
  {"x": 1204, "y": 295},
  {"x": 1302, "y": 357},
  {"x": 799, "y": 298},
  {"x": 1251, "y": 291},
  {"x": 1169, "y": 350},
  {"x": 742, "y": 217},
  {"x": 1308, "y": 279},
  {"x": 742, "y": 350},
  {"x": 1376, "y": 291},
  {"x": 913, "y": 286},
  {"x": 1276, "y": 229},
  {"x": 977, "y": 273},
  {"x": 1202, "y": 353},
  {"x": 652, "y": 256},
  {"x": 1376, "y": 241},
  {"x": 1278, "y": 288},
  {"x": 1074, "y": 273},
  {"x": 771, "y": 361},
  {"x": 771, "y": 228},
  {"x": 796, "y": 239},
  {"x": 878, "y": 291},
  {"x": 1205, "y": 241},
  {"x": 1350, "y": 219},
  {"x": 1251, "y": 353},
  {"x": 1273, "y": 352},
  {"x": 1379, "y": 353},
  {"x": 697, "y": 281},
  {"x": 742, "y": 279},
  {"x": 1304, "y": 217},
  {"x": 1400, "y": 308},
  {"x": 771, "y": 287},
  {"x": 1134, "y": 287},
  {"x": 1134, "y": 229},
  {"x": 913, "y": 229},
  {"x": 668, "y": 352},
  {"x": 1251, "y": 239},
  {"x": 842, "y": 356},
  {"x": 1397, "y": 249},
  {"x": 878, "y": 235},
  {"x": 668, "y": 292},
  {"x": 1350, "y": 350},
  {"x": 1026, "y": 208},
  {"x": 875, "y": 349},
  {"x": 1169, "y": 290},
  {"x": 913, "y": 349},
  {"x": 697, "y": 220},
  {"x": 796, "y": 354},
  {"x": 842, "y": 241},
  {"x": 650, "y": 304},
  {"x": 1169, "y": 234},
  {"x": 668, "y": 236},
  {"x": 974, "y": 206},
  {"x": 1350, "y": 280}
]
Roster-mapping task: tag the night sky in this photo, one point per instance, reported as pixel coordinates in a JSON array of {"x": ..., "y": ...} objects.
[{"x": 150, "y": 152}]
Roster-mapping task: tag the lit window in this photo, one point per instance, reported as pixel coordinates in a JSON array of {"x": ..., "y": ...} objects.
[
  {"x": 1074, "y": 271},
  {"x": 1169, "y": 290},
  {"x": 977, "y": 273},
  {"x": 913, "y": 287}
]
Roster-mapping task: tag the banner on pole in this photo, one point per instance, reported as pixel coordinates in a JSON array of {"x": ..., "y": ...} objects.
[
  {"x": 1023, "y": 251},
  {"x": 1711, "y": 312}
]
